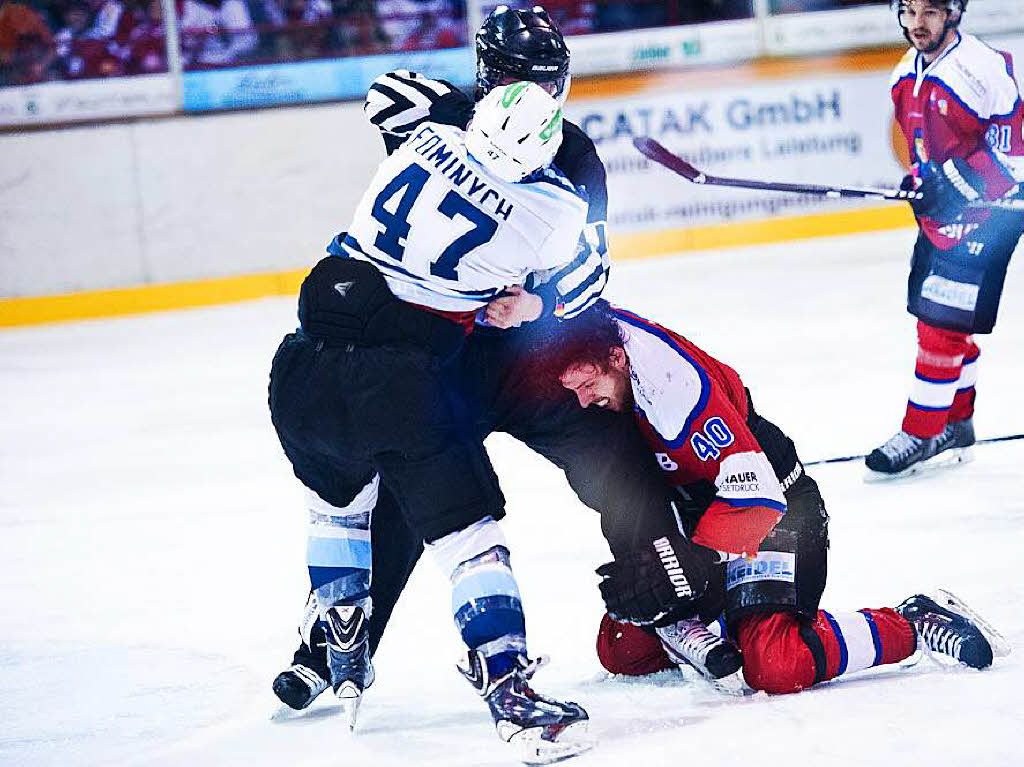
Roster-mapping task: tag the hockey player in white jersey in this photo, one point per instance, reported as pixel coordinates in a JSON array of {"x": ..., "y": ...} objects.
[
  {"x": 449, "y": 220},
  {"x": 603, "y": 457},
  {"x": 453, "y": 218}
]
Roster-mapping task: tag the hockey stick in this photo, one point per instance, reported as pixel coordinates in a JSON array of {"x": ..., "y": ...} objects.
[
  {"x": 652, "y": 150},
  {"x": 847, "y": 458}
]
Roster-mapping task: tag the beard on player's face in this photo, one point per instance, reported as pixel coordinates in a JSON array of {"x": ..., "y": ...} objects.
[{"x": 925, "y": 25}]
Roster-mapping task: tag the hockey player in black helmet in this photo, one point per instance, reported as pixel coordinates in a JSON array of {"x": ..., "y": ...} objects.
[
  {"x": 603, "y": 456},
  {"x": 521, "y": 45}
]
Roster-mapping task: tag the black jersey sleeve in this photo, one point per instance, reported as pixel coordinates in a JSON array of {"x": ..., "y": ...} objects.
[
  {"x": 399, "y": 102},
  {"x": 571, "y": 289}
]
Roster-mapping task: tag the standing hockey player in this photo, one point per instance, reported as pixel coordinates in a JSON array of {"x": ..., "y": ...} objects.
[
  {"x": 604, "y": 458},
  {"x": 752, "y": 530},
  {"x": 958, "y": 106},
  {"x": 356, "y": 393}
]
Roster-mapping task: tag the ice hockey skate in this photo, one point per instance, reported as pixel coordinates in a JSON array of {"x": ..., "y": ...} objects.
[
  {"x": 298, "y": 686},
  {"x": 947, "y": 628},
  {"x": 690, "y": 643},
  {"x": 905, "y": 455},
  {"x": 307, "y": 676},
  {"x": 348, "y": 657},
  {"x": 542, "y": 730}
]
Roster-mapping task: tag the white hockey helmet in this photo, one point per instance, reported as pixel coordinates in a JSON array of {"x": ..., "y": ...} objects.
[{"x": 516, "y": 129}]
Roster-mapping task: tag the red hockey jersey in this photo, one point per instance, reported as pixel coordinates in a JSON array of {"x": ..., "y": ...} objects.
[
  {"x": 965, "y": 104},
  {"x": 693, "y": 411}
]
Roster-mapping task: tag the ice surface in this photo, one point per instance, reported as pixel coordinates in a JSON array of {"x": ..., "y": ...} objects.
[{"x": 151, "y": 542}]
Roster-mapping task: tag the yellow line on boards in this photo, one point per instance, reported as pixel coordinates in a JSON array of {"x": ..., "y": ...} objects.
[
  {"x": 40, "y": 310},
  {"x": 638, "y": 245},
  {"x": 147, "y": 298}
]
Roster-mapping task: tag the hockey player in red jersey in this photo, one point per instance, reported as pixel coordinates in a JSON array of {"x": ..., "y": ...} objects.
[
  {"x": 958, "y": 106},
  {"x": 752, "y": 530}
]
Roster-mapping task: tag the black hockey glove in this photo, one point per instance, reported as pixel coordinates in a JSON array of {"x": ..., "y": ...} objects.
[
  {"x": 947, "y": 189},
  {"x": 664, "y": 577}
]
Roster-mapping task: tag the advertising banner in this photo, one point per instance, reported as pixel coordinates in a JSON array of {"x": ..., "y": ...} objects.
[
  {"x": 60, "y": 102},
  {"x": 845, "y": 28},
  {"x": 664, "y": 48},
  {"x": 835, "y": 129},
  {"x": 324, "y": 80}
]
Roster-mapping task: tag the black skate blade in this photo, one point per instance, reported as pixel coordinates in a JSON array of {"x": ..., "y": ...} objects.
[
  {"x": 947, "y": 459},
  {"x": 534, "y": 748}
]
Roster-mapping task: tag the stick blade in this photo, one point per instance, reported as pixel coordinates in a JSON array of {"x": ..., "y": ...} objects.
[{"x": 652, "y": 150}]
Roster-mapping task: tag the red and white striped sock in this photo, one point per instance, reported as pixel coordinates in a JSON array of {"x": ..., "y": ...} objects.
[
  {"x": 937, "y": 375},
  {"x": 783, "y": 653},
  {"x": 963, "y": 402}
]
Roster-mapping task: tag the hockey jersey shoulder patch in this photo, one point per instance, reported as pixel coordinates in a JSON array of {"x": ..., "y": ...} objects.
[{"x": 669, "y": 389}]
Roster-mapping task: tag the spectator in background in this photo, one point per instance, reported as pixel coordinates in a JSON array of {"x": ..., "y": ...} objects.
[
  {"x": 573, "y": 17},
  {"x": 357, "y": 29},
  {"x": 140, "y": 37},
  {"x": 401, "y": 18},
  {"x": 216, "y": 33},
  {"x": 268, "y": 18},
  {"x": 435, "y": 31},
  {"x": 307, "y": 30},
  {"x": 80, "y": 55},
  {"x": 26, "y": 45},
  {"x": 617, "y": 17},
  {"x": 106, "y": 19}
]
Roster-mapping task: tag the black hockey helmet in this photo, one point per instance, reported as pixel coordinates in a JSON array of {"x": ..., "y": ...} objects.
[
  {"x": 954, "y": 8},
  {"x": 521, "y": 45}
]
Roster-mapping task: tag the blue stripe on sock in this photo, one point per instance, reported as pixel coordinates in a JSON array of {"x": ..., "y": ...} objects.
[
  {"x": 928, "y": 409},
  {"x": 876, "y": 640},
  {"x": 338, "y": 552},
  {"x": 487, "y": 583},
  {"x": 488, "y": 618},
  {"x": 844, "y": 656}
]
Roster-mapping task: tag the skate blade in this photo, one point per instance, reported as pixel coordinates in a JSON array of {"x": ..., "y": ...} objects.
[
  {"x": 734, "y": 684},
  {"x": 349, "y": 698},
  {"x": 947, "y": 459},
  {"x": 1000, "y": 645},
  {"x": 534, "y": 748}
]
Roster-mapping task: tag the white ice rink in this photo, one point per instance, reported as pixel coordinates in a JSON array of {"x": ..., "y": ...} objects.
[{"x": 152, "y": 549}]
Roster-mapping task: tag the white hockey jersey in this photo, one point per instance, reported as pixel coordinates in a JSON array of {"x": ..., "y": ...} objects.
[
  {"x": 399, "y": 102},
  {"x": 448, "y": 235}
]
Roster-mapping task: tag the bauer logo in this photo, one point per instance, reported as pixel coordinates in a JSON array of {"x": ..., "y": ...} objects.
[{"x": 766, "y": 566}]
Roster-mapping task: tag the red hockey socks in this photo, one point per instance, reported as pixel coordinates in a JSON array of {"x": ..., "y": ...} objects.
[
  {"x": 963, "y": 401},
  {"x": 783, "y": 654},
  {"x": 939, "y": 374},
  {"x": 624, "y": 648}
]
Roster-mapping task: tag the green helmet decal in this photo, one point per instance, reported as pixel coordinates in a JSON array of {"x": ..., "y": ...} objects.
[
  {"x": 554, "y": 124},
  {"x": 511, "y": 91}
]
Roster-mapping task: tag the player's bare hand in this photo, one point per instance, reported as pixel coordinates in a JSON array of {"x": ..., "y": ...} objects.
[{"x": 514, "y": 308}]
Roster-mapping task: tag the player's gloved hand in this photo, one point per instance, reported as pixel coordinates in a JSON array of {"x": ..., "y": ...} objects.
[
  {"x": 947, "y": 189},
  {"x": 663, "y": 577}
]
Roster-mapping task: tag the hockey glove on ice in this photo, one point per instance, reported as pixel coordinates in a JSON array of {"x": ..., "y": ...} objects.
[
  {"x": 947, "y": 189},
  {"x": 663, "y": 577}
]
